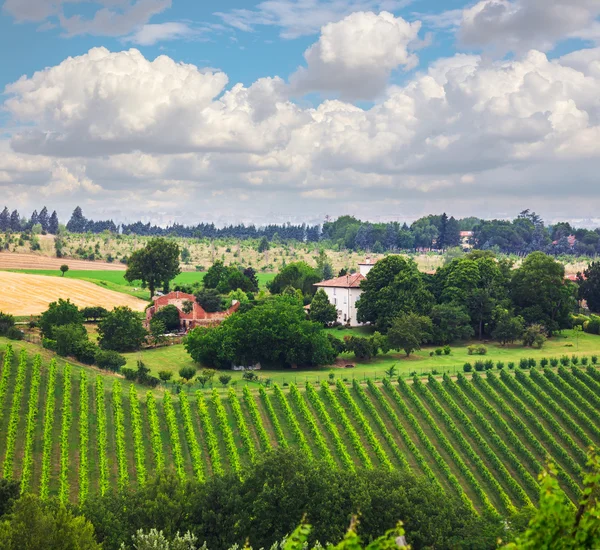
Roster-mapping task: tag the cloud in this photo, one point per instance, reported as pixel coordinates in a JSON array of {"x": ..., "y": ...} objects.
[
  {"x": 467, "y": 135},
  {"x": 152, "y": 33},
  {"x": 297, "y": 18},
  {"x": 519, "y": 25},
  {"x": 355, "y": 56},
  {"x": 110, "y": 18}
]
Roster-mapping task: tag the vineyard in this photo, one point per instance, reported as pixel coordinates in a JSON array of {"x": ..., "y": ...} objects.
[{"x": 482, "y": 438}]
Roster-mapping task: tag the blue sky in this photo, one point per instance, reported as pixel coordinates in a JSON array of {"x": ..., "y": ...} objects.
[{"x": 464, "y": 106}]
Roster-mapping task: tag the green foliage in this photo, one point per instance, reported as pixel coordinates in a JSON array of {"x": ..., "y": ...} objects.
[
  {"x": 68, "y": 338},
  {"x": 321, "y": 310},
  {"x": 409, "y": 331},
  {"x": 508, "y": 328},
  {"x": 67, "y": 416},
  {"x": 209, "y": 299},
  {"x": 138, "y": 436},
  {"x": 589, "y": 286},
  {"x": 450, "y": 323},
  {"x": 534, "y": 336},
  {"x": 224, "y": 379},
  {"x": 48, "y": 426},
  {"x": 32, "y": 525},
  {"x": 60, "y": 313},
  {"x": 297, "y": 275},
  {"x": 110, "y": 360},
  {"x": 63, "y": 269},
  {"x": 169, "y": 315},
  {"x": 121, "y": 330},
  {"x": 7, "y": 322},
  {"x": 93, "y": 313}
]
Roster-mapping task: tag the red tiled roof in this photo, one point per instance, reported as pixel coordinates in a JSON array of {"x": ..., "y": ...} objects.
[{"x": 345, "y": 281}]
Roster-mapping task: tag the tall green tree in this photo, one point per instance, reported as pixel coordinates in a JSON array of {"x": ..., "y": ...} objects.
[
  {"x": 394, "y": 286},
  {"x": 409, "y": 331},
  {"x": 589, "y": 286},
  {"x": 298, "y": 275},
  {"x": 157, "y": 264},
  {"x": 121, "y": 330},
  {"x": 508, "y": 327},
  {"x": 321, "y": 310},
  {"x": 450, "y": 323},
  {"x": 60, "y": 313},
  {"x": 541, "y": 294}
]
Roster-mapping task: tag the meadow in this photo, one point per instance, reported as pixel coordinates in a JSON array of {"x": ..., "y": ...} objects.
[{"x": 483, "y": 438}]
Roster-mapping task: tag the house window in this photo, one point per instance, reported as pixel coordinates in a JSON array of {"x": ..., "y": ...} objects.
[
  {"x": 335, "y": 301},
  {"x": 334, "y": 291},
  {"x": 345, "y": 300}
]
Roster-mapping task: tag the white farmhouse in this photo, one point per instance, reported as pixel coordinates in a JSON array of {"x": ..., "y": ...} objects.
[{"x": 344, "y": 291}]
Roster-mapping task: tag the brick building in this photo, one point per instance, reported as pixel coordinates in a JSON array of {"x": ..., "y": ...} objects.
[{"x": 197, "y": 317}]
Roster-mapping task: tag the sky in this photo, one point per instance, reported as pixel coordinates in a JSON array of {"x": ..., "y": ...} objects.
[{"x": 293, "y": 110}]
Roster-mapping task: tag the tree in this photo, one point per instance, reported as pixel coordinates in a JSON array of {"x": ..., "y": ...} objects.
[
  {"x": 321, "y": 310},
  {"x": 263, "y": 245},
  {"x": 4, "y": 220},
  {"x": 110, "y": 360},
  {"x": 225, "y": 379},
  {"x": 534, "y": 336},
  {"x": 63, "y": 312},
  {"x": 52, "y": 224},
  {"x": 187, "y": 372},
  {"x": 540, "y": 293},
  {"x": 215, "y": 274},
  {"x": 394, "y": 286},
  {"x": 157, "y": 331},
  {"x": 450, "y": 323},
  {"x": 188, "y": 306},
  {"x": 157, "y": 264},
  {"x": 42, "y": 219},
  {"x": 94, "y": 313},
  {"x": 274, "y": 332},
  {"x": 391, "y": 372},
  {"x": 297, "y": 275},
  {"x": 77, "y": 222},
  {"x": 7, "y": 322},
  {"x": 34, "y": 220},
  {"x": 509, "y": 328},
  {"x": 33, "y": 525},
  {"x": 250, "y": 274},
  {"x": 121, "y": 330},
  {"x": 589, "y": 286},
  {"x": 165, "y": 375},
  {"x": 64, "y": 268},
  {"x": 68, "y": 337},
  {"x": 324, "y": 266},
  {"x": 209, "y": 299},
  {"x": 169, "y": 315},
  {"x": 409, "y": 331}
]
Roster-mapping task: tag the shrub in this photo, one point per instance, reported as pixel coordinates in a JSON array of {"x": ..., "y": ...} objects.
[
  {"x": 511, "y": 365},
  {"x": 435, "y": 372},
  {"x": 584, "y": 360},
  {"x": 554, "y": 362},
  {"x": 7, "y": 322},
  {"x": 476, "y": 349},
  {"x": 110, "y": 360},
  {"x": 447, "y": 350},
  {"x": 85, "y": 352},
  {"x": 14, "y": 333},
  {"x": 544, "y": 362},
  {"x": 129, "y": 374},
  {"x": 439, "y": 351},
  {"x": 524, "y": 363},
  {"x": 165, "y": 375},
  {"x": 187, "y": 373},
  {"x": 479, "y": 366},
  {"x": 534, "y": 336},
  {"x": 499, "y": 365},
  {"x": 481, "y": 350},
  {"x": 594, "y": 359},
  {"x": 467, "y": 367},
  {"x": 48, "y": 343},
  {"x": 568, "y": 345},
  {"x": 565, "y": 361},
  {"x": 574, "y": 359},
  {"x": 531, "y": 363},
  {"x": 431, "y": 354},
  {"x": 489, "y": 364},
  {"x": 593, "y": 325}
]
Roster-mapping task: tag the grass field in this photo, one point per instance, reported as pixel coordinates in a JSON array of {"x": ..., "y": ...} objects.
[
  {"x": 483, "y": 439},
  {"x": 25, "y": 294},
  {"x": 172, "y": 358},
  {"x": 115, "y": 280}
]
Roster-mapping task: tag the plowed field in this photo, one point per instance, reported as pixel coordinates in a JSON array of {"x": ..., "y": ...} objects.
[{"x": 9, "y": 260}]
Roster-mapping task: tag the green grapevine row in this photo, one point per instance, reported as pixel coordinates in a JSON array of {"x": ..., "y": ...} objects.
[
  {"x": 408, "y": 392},
  {"x": 526, "y": 477},
  {"x": 381, "y": 425},
  {"x": 84, "y": 437},
  {"x": 442, "y": 464},
  {"x": 330, "y": 426},
  {"x": 15, "y": 416},
  {"x": 119, "y": 420},
  {"x": 403, "y": 433},
  {"x": 6, "y": 372},
  {"x": 265, "y": 442},
  {"x": 348, "y": 427},
  {"x": 312, "y": 425},
  {"x": 32, "y": 408},
  {"x": 291, "y": 418},
  {"x": 209, "y": 435},
  {"x": 366, "y": 427},
  {"x": 156, "y": 439},
  {"x": 493, "y": 459},
  {"x": 593, "y": 372},
  {"x": 524, "y": 394},
  {"x": 138, "y": 436},
  {"x": 48, "y": 426},
  {"x": 572, "y": 394},
  {"x": 236, "y": 408},
  {"x": 546, "y": 400},
  {"x": 593, "y": 387},
  {"x": 63, "y": 491},
  {"x": 102, "y": 435},
  {"x": 172, "y": 426},
  {"x": 566, "y": 402},
  {"x": 492, "y": 392},
  {"x": 465, "y": 446},
  {"x": 190, "y": 436},
  {"x": 588, "y": 394},
  {"x": 234, "y": 457}
]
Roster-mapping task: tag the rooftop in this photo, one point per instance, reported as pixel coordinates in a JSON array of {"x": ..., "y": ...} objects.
[{"x": 345, "y": 281}]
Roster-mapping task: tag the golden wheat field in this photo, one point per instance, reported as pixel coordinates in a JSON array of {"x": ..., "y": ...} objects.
[
  {"x": 12, "y": 260},
  {"x": 22, "y": 294}
]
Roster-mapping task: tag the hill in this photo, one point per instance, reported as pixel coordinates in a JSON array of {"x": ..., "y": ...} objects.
[{"x": 484, "y": 438}]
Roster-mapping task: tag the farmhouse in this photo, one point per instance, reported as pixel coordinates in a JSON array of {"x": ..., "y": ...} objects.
[
  {"x": 343, "y": 292},
  {"x": 196, "y": 317}
]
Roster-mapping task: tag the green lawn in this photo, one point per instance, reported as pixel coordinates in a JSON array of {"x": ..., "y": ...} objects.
[
  {"x": 173, "y": 357},
  {"x": 115, "y": 280}
]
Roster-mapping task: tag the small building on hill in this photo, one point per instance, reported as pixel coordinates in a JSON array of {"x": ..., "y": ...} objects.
[
  {"x": 196, "y": 317},
  {"x": 343, "y": 293}
]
